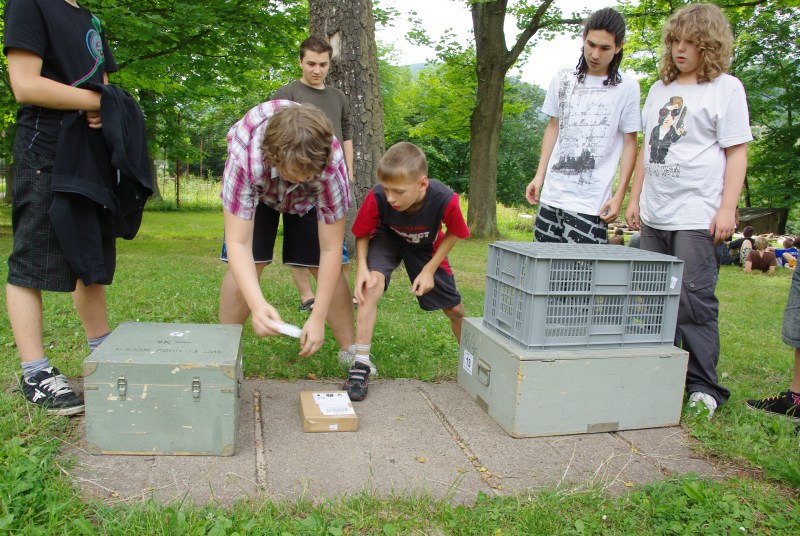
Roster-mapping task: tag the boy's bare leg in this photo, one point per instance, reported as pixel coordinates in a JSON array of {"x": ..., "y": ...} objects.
[
  {"x": 340, "y": 313},
  {"x": 25, "y": 315},
  {"x": 90, "y": 302},
  {"x": 368, "y": 312},
  {"x": 233, "y": 308},
  {"x": 302, "y": 280},
  {"x": 346, "y": 273},
  {"x": 795, "y": 387},
  {"x": 456, "y": 316}
]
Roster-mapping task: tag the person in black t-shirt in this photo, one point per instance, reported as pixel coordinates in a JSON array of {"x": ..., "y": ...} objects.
[{"x": 53, "y": 47}]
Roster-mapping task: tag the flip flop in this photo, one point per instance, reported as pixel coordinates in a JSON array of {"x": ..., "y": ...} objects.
[{"x": 307, "y": 306}]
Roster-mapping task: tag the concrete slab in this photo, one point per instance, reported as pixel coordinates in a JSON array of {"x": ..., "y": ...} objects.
[
  {"x": 413, "y": 437},
  {"x": 400, "y": 447},
  {"x": 670, "y": 450},
  {"x": 614, "y": 461}
]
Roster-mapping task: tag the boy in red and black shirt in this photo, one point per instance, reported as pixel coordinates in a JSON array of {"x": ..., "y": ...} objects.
[{"x": 401, "y": 220}]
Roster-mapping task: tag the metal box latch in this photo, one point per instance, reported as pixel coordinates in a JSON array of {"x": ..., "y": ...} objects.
[
  {"x": 122, "y": 386},
  {"x": 196, "y": 388}
]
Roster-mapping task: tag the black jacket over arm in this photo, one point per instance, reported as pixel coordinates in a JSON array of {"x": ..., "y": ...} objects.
[{"x": 101, "y": 180}]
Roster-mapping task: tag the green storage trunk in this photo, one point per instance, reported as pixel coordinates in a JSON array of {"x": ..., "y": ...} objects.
[
  {"x": 164, "y": 389},
  {"x": 534, "y": 393}
]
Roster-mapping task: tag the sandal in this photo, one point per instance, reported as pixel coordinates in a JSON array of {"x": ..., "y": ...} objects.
[{"x": 307, "y": 306}]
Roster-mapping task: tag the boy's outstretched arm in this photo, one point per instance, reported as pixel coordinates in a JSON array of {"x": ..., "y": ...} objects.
[
  {"x": 424, "y": 281},
  {"x": 534, "y": 189},
  {"x": 632, "y": 212},
  {"x": 331, "y": 237},
  {"x": 239, "y": 241},
  {"x": 610, "y": 209},
  {"x": 724, "y": 222}
]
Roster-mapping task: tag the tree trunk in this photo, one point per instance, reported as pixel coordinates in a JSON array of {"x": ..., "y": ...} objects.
[
  {"x": 487, "y": 117},
  {"x": 350, "y": 28},
  {"x": 494, "y": 60}
]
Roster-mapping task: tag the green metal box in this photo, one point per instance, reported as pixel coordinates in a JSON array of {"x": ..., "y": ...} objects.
[
  {"x": 155, "y": 388},
  {"x": 534, "y": 393}
]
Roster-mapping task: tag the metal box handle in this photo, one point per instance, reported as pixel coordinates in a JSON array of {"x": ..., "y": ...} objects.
[
  {"x": 122, "y": 387},
  {"x": 484, "y": 372},
  {"x": 196, "y": 388}
]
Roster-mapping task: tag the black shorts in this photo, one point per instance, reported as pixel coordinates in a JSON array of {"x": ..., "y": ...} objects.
[
  {"x": 386, "y": 250},
  {"x": 300, "y": 237},
  {"x": 37, "y": 260}
]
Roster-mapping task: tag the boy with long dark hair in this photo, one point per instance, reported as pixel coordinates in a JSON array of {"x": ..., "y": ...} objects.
[{"x": 594, "y": 117}]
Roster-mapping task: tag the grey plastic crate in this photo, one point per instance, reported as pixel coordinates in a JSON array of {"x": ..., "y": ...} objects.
[{"x": 581, "y": 295}]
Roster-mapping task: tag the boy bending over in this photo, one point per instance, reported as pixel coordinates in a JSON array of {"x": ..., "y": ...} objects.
[
  {"x": 401, "y": 220},
  {"x": 285, "y": 156}
]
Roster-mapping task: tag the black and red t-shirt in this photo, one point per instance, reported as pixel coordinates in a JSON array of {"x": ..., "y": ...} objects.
[{"x": 422, "y": 228}]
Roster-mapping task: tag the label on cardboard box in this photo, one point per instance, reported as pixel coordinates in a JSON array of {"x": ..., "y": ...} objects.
[{"x": 330, "y": 411}]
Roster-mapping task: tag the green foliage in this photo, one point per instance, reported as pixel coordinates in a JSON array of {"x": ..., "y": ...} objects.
[
  {"x": 432, "y": 108},
  {"x": 520, "y": 140},
  {"x": 767, "y": 61},
  {"x": 8, "y": 104}
]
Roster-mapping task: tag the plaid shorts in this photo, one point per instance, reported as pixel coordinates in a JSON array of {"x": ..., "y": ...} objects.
[
  {"x": 37, "y": 260},
  {"x": 562, "y": 226}
]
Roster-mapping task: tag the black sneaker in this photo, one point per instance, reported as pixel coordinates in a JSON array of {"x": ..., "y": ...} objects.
[
  {"x": 786, "y": 404},
  {"x": 357, "y": 381},
  {"x": 49, "y": 388}
]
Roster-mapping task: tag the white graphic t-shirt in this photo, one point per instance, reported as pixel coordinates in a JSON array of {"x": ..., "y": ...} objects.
[
  {"x": 592, "y": 119},
  {"x": 686, "y": 131}
]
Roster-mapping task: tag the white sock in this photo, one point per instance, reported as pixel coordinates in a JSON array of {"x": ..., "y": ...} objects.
[{"x": 362, "y": 352}]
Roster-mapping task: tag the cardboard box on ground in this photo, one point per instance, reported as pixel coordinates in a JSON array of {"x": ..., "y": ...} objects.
[{"x": 330, "y": 411}]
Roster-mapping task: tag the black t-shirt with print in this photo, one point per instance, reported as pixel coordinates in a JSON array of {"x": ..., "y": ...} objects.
[{"x": 73, "y": 49}]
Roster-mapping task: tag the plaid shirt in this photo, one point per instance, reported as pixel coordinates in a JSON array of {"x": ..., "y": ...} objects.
[{"x": 247, "y": 179}]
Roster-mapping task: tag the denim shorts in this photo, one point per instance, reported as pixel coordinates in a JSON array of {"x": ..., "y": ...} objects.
[{"x": 791, "y": 315}]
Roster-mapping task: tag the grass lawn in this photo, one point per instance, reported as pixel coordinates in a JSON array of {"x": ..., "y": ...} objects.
[{"x": 171, "y": 273}]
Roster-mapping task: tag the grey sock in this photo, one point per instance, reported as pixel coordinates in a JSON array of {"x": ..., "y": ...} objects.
[
  {"x": 94, "y": 343},
  {"x": 30, "y": 368}
]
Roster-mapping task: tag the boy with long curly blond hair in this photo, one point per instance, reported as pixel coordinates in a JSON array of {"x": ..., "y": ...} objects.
[{"x": 689, "y": 175}]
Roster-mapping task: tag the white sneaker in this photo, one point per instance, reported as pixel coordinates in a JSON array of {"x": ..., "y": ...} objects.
[
  {"x": 707, "y": 402},
  {"x": 346, "y": 358}
]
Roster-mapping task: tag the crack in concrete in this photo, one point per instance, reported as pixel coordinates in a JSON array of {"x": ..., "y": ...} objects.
[{"x": 488, "y": 478}]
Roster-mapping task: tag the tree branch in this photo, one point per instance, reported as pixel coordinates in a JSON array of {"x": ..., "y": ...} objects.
[
  {"x": 530, "y": 30},
  {"x": 180, "y": 45}
]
